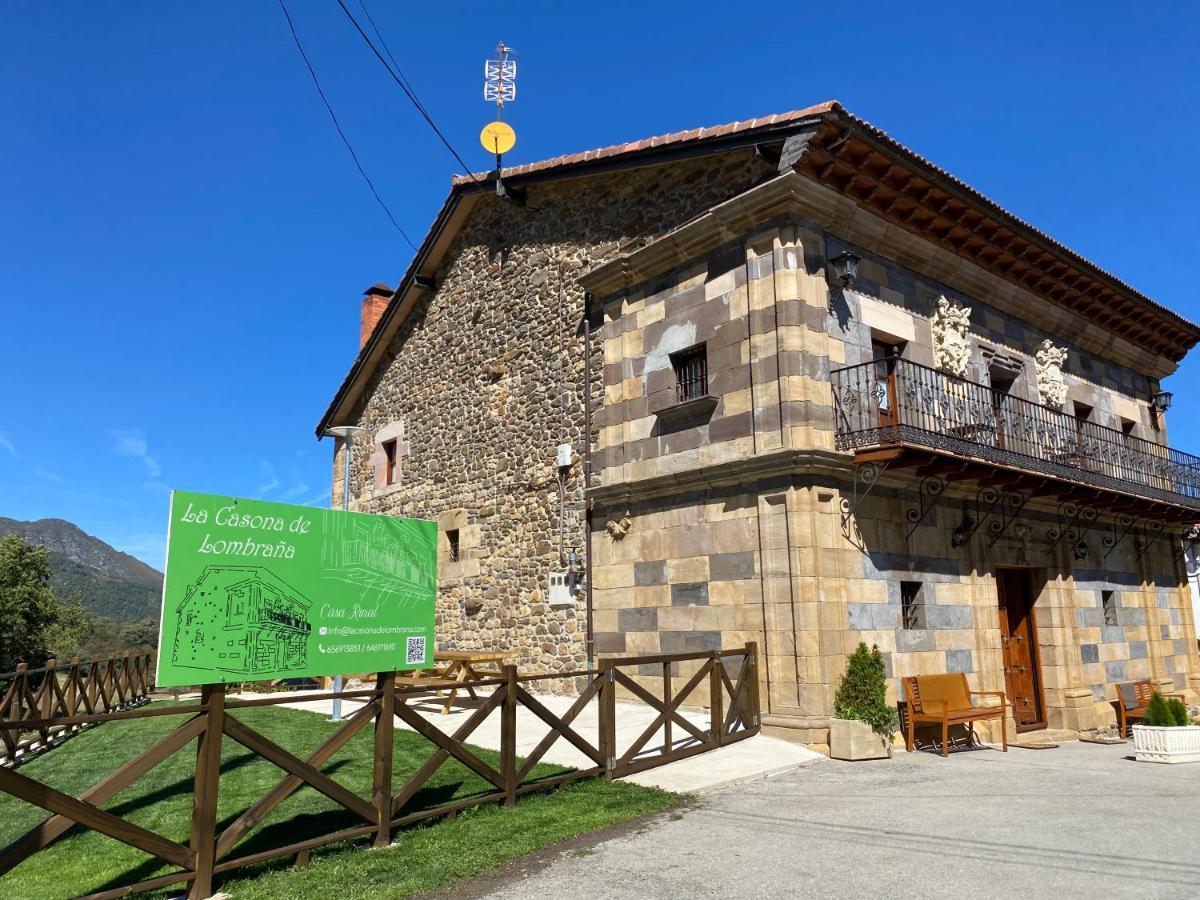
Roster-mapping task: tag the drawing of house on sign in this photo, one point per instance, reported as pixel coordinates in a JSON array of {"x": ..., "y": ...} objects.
[{"x": 243, "y": 620}]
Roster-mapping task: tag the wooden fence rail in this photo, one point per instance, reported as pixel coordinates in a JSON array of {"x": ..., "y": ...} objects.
[
  {"x": 727, "y": 680},
  {"x": 39, "y": 705}
]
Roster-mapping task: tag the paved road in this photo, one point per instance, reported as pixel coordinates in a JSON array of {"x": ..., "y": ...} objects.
[{"x": 1078, "y": 821}]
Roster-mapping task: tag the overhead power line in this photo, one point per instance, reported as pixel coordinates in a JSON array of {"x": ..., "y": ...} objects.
[
  {"x": 400, "y": 80},
  {"x": 337, "y": 125}
]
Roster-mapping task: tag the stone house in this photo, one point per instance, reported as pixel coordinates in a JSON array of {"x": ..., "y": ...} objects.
[{"x": 817, "y": 391}]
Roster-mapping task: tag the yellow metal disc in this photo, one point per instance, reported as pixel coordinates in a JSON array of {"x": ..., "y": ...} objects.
[{"x": 497, "y": 137}]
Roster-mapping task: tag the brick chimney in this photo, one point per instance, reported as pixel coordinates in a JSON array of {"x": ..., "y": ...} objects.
[{"x": 375, "y": 301}]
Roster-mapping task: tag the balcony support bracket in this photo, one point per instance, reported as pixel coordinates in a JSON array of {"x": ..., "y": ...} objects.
[
  {"x": 865, "y": 478},
  {"x": 1123, "y": 524},
  {"x": 932, "y": 489},
  {"x": 1187, "y": 541},
  {"x": 1075, "y": 520}
]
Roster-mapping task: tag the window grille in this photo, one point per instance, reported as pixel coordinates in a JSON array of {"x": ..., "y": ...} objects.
[
  {"x": 912, "y": 606},
  {"x": 691, "y": 373},
  {"x": 1108, "y": 600}
]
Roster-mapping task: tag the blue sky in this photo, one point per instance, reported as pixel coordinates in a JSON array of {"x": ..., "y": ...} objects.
[{"x": 184, "y": 241}]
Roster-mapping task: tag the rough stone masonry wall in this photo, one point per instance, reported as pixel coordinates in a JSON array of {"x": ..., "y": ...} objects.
[{"x": 487, "y": 378}]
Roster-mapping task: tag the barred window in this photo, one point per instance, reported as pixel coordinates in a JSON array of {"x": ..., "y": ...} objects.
[
  {"x": 1108, "y": 601},
  {"x": 912, "y": 606},
  {"x": 452, "y": 551},
  {"x": 691, "y": 373}
]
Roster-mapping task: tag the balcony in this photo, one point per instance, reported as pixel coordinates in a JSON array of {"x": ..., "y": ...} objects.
[{"x": 915, "y": 411}]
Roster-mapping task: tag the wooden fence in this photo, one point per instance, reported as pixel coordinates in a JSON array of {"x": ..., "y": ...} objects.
[
  {"x": 729, "y": 677},
  {"x": 39, "y": 705}
]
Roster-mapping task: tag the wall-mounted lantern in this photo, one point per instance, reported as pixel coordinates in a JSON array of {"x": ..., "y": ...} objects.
[
  {"x": 1161, "y": 401},
  {"x": 844, "y": 267}
]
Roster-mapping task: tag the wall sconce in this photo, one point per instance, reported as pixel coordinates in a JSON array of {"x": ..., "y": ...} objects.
[
  {"x": 845, "y": 268},
  {"x": 1161, "y": 401}
]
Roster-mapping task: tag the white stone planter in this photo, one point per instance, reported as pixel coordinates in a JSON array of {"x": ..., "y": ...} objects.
[
  {"x": 854, "y": 740},
  {"x": 1161, "y": 744}
]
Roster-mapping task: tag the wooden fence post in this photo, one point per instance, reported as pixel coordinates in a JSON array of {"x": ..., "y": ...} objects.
[
  {"x": 92, "y": 688},
  {"x": 73, "y": 688},
  {"x": 608, "y": 718},
  {"x": 668, "y": 741},
  {"x": 508, "y": 736},
  {"x": 752, "y": 688},
  {"x": 716, "y": 704},
  {"x": 21, "y": 693},
  {"x": 385, "y": 724},
  {"x": 49, "y": 677},
  {"x": 204, "y": 799}
]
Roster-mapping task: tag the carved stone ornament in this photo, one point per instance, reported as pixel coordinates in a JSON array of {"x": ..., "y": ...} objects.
[
  {"x": 950, "y": 350},
  {"x": 1052, "y": 388},
  {"x": 618, "y": 528}
]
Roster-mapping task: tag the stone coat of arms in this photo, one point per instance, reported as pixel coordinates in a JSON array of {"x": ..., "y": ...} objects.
[
  {"x": 1052, "y": 387},
  {"x": 950, "y": 323}
]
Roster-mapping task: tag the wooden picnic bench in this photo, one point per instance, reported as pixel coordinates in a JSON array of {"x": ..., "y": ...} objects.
[
  {"x": 1132, "y": 697},
  {"x": 946, "y": 700},
  {"x": 460, "y": 667}
]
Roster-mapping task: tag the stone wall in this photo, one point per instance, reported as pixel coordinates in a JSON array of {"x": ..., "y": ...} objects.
[
  {"x": 487, "y": 377},
  {"x": 710, "y": 561}
]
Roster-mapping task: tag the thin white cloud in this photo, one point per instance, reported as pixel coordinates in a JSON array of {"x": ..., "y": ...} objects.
[
  {"x": 8, "y": 445},
  {"x": 131, "y": 443},
  {"x": 270, "y": 479},
  {"x": 47, "y": 475},
  {"x": 322, "y": 499},
  {"x": 296, "y": 490}
]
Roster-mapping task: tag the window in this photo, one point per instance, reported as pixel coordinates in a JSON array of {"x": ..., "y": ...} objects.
[
  {"x": 389, "y": 469},
  {"x": 912, "y": 606},
  {"x": 691, "y": 373},
  {"x": 1127, "y": 427},
  {"x": 1108, "y": 600},
  {"x": 452, "y": 551},
  {"x": 1083, "y": 412}
]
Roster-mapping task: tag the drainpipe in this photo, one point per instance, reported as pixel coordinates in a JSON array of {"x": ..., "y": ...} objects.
[{"x": 587, "y": 474}]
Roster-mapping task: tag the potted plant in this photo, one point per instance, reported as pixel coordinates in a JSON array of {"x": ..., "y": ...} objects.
[
  {"x": 1167, "y": 735},
  {"x": 863, "y": 721}
]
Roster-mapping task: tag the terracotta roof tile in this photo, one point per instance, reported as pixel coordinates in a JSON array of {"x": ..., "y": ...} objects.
[{"x": 661, "y": 140}]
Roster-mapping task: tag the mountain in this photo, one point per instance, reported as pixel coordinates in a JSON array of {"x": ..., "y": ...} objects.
[{"x": 113, "y": 584}]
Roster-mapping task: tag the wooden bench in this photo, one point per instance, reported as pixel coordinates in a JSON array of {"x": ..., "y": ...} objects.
[
  {"x": 946, "y": 700},
  {"x": 1132, "y": 697}
]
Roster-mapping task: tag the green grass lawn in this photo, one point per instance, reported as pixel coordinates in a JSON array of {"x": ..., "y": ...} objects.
[{"x": 421, "y": 858}]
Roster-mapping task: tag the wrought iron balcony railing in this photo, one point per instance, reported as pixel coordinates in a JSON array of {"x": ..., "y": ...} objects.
[{"x": 897, "y": 402}]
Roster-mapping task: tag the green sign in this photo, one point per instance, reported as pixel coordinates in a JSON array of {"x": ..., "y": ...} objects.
[{"x": 258, "y": 590}]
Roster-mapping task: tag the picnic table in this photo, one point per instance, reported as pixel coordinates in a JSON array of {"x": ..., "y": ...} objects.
[{"x": 461, "y": 667}]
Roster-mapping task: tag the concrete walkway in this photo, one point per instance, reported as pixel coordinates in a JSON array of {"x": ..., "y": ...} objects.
[
  {"x": 754, "y": 758},
  {"x": 1083, "y": 820}
]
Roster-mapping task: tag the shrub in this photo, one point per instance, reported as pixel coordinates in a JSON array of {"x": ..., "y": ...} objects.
[
  {"x": 1161, "y": 712},
  {"x": 862, "y": 695},
  {"x": 1178, "y": 711}
]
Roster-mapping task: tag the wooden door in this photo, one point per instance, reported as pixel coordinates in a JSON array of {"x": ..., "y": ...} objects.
[
  {"x": 884, "y": 388},
  {"x": 1018, "y": 638}
]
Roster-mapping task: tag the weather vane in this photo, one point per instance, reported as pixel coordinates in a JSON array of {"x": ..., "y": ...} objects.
[{"x": 499, "y": 87}]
